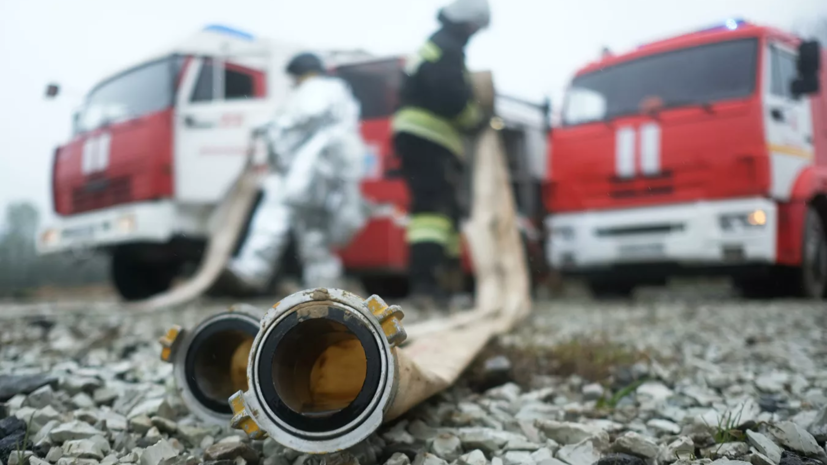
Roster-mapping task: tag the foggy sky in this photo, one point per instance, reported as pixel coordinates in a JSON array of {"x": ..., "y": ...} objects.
[{"x": 533, "y": 47}]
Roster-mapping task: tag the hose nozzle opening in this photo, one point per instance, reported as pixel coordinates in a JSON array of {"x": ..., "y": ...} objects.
[{"x": 321, "y": 371}]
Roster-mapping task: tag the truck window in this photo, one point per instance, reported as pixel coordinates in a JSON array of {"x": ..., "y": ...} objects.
[
  {"x": 375, "y": 85},
  {"x": 237, "y": 84},
  {"x": 784, "y": 70},
  {"x": 703, "y": 74},
  {"x": 137, "y": 92}
]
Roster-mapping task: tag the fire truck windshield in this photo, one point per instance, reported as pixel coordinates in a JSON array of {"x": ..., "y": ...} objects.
[
  {"x": 691, "y": 76},
  {"x": 139, "y": 91}
]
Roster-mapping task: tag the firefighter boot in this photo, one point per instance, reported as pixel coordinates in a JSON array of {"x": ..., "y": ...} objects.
[{"x": 425, "y": 262}]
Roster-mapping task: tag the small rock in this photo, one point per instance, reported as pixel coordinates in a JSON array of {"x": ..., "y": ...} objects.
[
  {"x": 41, "y": 397},
  {"x": 585, "y": 452},
  {"x": 77, "y": 384},
  {"x": 447, "y": 447},
  {"x": 231, "y": 451},
  {"x": 521, "y": 444},
  {"x": 148, "y": 407},
  {"x": 172, "y": 408},
  {"x": 192, "y": 435},
  {"x": 164, "y": 425},
  {"x": 542, "y": 454},
  {"x": 592, "y": 391},
  {"x": 11, "y": 425},
  {"x": 398, "y": 434},
  {"x": 664, "y": 426},
  {"x": 76, "y": 461},
  {"x": 773, "y": 382},
  {"x": 635, "y": 444},
  {"x": 571, "y": 433},
  {"x": 20, "y": 458},
  {"x": 36, "y": 461},
  {"x": 791, "y": 458},
  {"x": 730, "y": 450},
  {"x": 190, "y": 460},
  {"x": 55, "y": 453},
  {"x": 45, "y": 415},
  {"x": 140, "y": 424},
  {"x": 157, "y": 453},
  {"x": 207, "y": 442},
  {"x": 87, "y": 416},
  {"x": 114, "y": 421},
  {"x": 12, "y": 385},
  {"x": 482, "y": 439},
  {"x": 83, "y": 448},
  {"x": 757, "y": 458},
  {"x": 653, "y": 391},
  {"x": 794, "y": 437},
  {"x": 132, "y": 456},
  {"x": 110, "y": 459},
  {"x": 620, "y": 459},
  {"x": 765, "y": 446},
  {"x": 517, "y": 458},
  {"x": 105, "y": 396},
  {"x": 428, "y": 459},
  {"x": 71, "y": 431},
  {"x": 475, "y": 457},
  {"x": 82, "y": 400},
  {"x": 402, "y": 459},
  {"x": 496, "y": 371},
  {"x": 818, "y": 428},
  {"x": 682, "y": 448},
  {"x": 508, "y": 392}
]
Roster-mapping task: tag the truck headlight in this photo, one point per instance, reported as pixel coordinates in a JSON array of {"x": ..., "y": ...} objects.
[
  {"x": 50, "y": 237},
  {"x": 126, "y": 224},
  {"x": 743, "y": 221}
]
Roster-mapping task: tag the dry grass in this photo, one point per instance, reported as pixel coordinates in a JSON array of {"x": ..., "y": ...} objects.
[{"x": 593, "y": 359}]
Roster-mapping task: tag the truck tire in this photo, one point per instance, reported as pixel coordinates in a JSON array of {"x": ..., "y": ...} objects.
[
  {"x": 813, "y": 274},
  {"x": 610, "y": 289},
  {"x": 136, "y": 280}
]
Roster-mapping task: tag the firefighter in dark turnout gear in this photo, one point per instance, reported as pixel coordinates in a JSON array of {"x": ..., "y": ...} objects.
[{"x": 437, "y": 111}]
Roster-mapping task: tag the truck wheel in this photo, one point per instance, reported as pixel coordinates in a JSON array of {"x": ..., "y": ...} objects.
[
  {"x": 814, "y": 257},
  {"x": 611, "y": 289},
  {"x": 137, "y": 280}
]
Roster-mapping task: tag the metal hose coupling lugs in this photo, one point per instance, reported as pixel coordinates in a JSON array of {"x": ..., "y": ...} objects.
[
  {"x": 322, "y": 371},
  {"x": 210, "y": 361}
]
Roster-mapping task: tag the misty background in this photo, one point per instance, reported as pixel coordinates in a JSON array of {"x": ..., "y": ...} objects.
[{"x": 533, "y": 47}]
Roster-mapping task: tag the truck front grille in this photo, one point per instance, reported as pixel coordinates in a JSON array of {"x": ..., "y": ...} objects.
[{"x": 99, "y": 193}]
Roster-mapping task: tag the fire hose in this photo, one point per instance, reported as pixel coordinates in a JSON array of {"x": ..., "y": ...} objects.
[{"x": 326, "y": 368}]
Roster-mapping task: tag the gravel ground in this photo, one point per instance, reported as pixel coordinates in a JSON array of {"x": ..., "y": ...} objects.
[{"x": 690, "y": 377}]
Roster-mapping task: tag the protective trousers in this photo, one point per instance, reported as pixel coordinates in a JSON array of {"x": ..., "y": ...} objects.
[
  {"x": 267, "y": 237},
  {"x": 433, "y": 176}
]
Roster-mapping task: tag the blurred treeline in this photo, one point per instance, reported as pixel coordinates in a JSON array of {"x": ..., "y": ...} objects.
[{"x": 22, "y": 271}]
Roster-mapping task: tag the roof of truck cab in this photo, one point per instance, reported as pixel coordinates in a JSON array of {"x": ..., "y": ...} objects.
[{"x": 717, "y": 33}]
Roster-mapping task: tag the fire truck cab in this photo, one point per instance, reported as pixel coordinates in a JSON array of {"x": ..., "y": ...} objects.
[
  {"x": 156, "y": 147},
  {"x": 704, "y": 153}
]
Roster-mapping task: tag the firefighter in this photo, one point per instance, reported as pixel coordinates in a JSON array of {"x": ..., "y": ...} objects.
[
  {"x": 316, "y": 154},
  {"x": 437, "y": 110}
]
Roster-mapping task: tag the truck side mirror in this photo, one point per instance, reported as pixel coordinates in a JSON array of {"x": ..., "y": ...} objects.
[
  {"x": 809, "y": 67},
  {"x": 52, "y": 90},
  {"x": 547, "y": 115}
]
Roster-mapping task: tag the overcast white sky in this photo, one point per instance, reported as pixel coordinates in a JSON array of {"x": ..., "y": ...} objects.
[{"x": 533, "y": 46}]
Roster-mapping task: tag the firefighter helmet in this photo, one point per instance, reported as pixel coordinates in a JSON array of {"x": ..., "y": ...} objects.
[{"x": 305, "y": 63}]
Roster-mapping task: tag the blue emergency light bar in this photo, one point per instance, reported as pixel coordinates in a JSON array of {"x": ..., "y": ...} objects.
[
  {"x": 229, "y": 31},
  {"x": 730, "y": 24}
]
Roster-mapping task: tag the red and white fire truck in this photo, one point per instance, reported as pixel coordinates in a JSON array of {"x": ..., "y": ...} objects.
[
  {"x": 156, "y": 147},
  {"x": 702, "y": 153}
]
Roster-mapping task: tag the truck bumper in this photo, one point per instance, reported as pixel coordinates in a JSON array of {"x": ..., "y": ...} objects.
[
  {"x": 700, "y": 235},
  {"x": 139, "y": 222}
]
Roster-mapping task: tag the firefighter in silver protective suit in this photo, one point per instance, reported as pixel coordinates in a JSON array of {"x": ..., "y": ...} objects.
[{"x": 312, "y": 190}]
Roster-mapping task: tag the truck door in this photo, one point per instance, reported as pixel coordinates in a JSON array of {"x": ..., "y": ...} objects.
[
  {"x": 218, "y": 105},
  {"x": 787, "y": 120}
]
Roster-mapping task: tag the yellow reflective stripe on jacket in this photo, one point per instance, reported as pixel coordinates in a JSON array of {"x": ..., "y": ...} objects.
[
  {"x": 427, "y": 125},
  {"x": 429, "y": 227},
  {"x": 429, "y": 52},
  {"x": 470, "y": 115}
]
